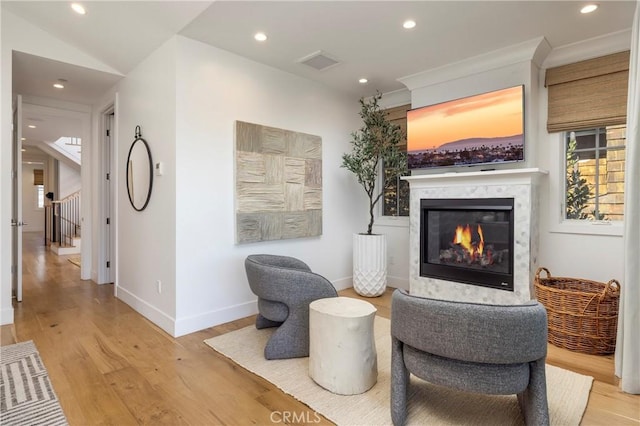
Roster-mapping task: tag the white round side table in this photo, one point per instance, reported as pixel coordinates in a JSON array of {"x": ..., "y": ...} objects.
[{"x": 342, "y": 349}]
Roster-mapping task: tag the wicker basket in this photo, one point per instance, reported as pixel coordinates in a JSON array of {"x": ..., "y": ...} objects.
[{"x": 582, "y": 314}]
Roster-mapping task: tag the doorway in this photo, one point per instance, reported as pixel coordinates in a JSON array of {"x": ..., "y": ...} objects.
[
  {"x": 107, "y": 255},
  {"x": 85, "y": 87},
  {"x": 16, "y": 202}
]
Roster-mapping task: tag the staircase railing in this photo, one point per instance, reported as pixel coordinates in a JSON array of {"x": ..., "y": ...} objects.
[{"x": 62, "y": 220}]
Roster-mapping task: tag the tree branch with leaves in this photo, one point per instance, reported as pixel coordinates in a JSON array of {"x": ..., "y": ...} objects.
[
  {"x": 374, "y": 146},
  {"x": 578, "y": 191}
]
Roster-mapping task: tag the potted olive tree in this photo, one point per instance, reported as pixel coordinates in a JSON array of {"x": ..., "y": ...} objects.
[{"x": 377, "y": 161}]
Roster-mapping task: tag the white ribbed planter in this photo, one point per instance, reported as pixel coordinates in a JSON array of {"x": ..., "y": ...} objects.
[{"x": 369, "y": 264}]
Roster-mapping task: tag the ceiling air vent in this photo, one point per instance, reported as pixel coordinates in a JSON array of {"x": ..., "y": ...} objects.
[{"x": 318, "y": 60}]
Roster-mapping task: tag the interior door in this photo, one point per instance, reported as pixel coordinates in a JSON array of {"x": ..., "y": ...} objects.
[
  {"x": 109, "y": 119},
  {"x": 16, "y": 207}
]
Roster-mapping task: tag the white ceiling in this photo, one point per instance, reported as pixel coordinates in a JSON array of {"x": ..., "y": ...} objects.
[
  {"x": 48, "y": 129},
  {"x": 368, "y": 39},
  {"x": 34, "y": 75},
  {"x": 119, "y": 33},
  {"x": 365, "y": 36}
]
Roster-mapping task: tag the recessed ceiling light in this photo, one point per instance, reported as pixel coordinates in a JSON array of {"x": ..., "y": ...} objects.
[
  {"x": 260, "y": 36},
  {"x": 363, "y": 81},
  {"x": 409, "y": 23},
  {"x": 58, "y": 86},
  {"x": 23, "y": 139},
  {"x": 78, "y": 8},
  {"x": 589, "y": 8},
  {"x": 23, "y": 150},
  {"x": 31, "y": 126}
]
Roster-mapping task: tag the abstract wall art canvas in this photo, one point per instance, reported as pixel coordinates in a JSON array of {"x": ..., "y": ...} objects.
[{"x": 278, "y": 184}]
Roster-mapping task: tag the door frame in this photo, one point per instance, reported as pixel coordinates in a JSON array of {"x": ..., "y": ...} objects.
[
  {"x": 16, "y": 199},
  {"x": 107, "y": 195}
]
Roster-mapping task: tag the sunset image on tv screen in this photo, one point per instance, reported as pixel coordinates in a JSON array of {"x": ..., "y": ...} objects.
[{"x": 485, "y": 128}]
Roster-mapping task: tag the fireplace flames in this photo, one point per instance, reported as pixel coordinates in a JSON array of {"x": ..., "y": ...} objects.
[
  {"x": 463, "y": 238},
  {"x": 464, "y": 249}
]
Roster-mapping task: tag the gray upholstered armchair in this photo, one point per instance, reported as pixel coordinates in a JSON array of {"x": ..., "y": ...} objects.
[
  {"x": 490, "y": 349},
  {"x": 285, "y": 287}
]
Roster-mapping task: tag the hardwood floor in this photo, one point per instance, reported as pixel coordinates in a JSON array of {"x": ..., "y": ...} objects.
[{"x": 109, "y": 365}]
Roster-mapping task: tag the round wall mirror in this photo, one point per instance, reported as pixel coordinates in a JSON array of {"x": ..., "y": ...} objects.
[{"x": 139, "y": 173}]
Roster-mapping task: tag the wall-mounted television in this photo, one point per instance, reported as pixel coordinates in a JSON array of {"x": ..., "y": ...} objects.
[{"x": 482, "y": 129}]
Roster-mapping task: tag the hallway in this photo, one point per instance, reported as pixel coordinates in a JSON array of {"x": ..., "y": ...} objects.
[
  {"x": 50, "y": 282},
  {"x": 109, "y": 365}
]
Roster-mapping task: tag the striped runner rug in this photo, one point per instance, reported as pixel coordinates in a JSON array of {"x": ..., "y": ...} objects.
[{"x": 26, "y": 394}]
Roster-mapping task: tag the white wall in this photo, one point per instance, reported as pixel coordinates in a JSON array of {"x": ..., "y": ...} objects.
[
  {"x": 68, "y": 180},
  {"x": 398, "y": 256},
  {"x": 31, "y": 214},
  {"x": 216, "y": 88},
  {"x": 50, "y": 175},
  {"x": 186, "y": 97},
  {"x": 585, "y": 254},
  {"x": 147, "y": 239}
]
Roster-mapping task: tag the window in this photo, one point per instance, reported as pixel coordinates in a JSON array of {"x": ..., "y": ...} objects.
[
  {"x": 40, "y": 196},
  {"x": 38, "y": 182},
  {"x": 595, "y": 164},
  {"x": 396, "y": 194},
  {"x": 396, "y": 198},
  {"x": 590, "y": 95}
]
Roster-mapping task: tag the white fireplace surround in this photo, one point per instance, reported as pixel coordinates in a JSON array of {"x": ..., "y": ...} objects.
[{"x": 519, "y": 184}]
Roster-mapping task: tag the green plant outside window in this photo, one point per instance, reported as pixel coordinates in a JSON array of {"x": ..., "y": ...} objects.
[{"x": 595, "y": 164}]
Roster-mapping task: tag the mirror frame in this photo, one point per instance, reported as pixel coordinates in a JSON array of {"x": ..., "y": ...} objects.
[{"x": 139, "y": 139}]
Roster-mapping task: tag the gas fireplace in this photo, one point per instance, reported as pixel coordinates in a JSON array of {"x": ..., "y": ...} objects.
[{"x": 468, "y": 241}]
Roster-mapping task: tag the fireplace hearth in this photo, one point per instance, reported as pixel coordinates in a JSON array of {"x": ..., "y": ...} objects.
[
  {"x": 468, "y": 241},
  {"x": 519, "y": 188}
]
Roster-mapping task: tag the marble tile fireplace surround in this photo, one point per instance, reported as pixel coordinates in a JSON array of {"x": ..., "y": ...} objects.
[{"x": 499, "y": 189}]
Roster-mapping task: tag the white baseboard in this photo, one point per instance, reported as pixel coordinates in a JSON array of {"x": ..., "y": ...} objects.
[
  {"x": 209, "y": 319},
  {"x": 343, "y": 283},
  {"x": 181, "y": 326},
  {"x": 6, "y": 316},
  {"x": 150, "y": 312},
  {"x": 398, "y": 282}
]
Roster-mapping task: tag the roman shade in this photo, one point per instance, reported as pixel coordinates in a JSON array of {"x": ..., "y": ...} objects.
[
  {"x": 38, "y": 177},
  {"x": 588, "y": 94}
]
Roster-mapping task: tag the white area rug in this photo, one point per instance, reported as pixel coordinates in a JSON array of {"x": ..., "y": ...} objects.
[
  {"x": 567, "y": 392},
  {"x": 26, "y": 394}
]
